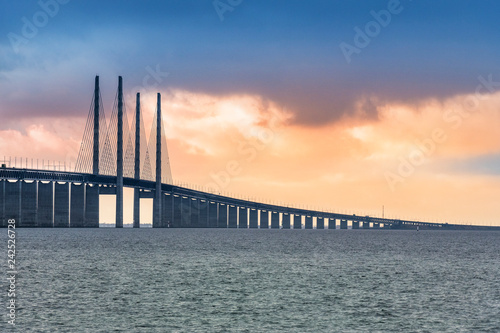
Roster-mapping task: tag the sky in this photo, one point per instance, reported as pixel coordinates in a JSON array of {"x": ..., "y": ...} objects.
[{"x": 346, "y": 106}]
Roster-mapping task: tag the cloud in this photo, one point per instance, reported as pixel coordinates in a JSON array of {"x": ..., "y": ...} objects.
[
  {"x": 337, "y": 166},
  {"x": 286, "y": 52},
  {"x": 35, "y": 142}
]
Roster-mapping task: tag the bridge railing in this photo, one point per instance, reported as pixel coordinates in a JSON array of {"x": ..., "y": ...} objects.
[{"x": 35, "y": 164}]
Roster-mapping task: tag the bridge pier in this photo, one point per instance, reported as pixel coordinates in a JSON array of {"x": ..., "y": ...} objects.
[
  {"x": 136, "y": 222},
  {"x": 185, "y": 212},
  {"x": 3, "y": 220},
  {"x": 77, "y": 206},
  {"x": 254, "y": 219},
  {"x": 297, "y": 221},
  {"x": 233, "y": 217},
  {"x": 332, "y": 223},
  {"x": 355, "y": 224},
  {"x": 203, "y": 207},
  {"x": 222, "y": 223},
  {"x": 366, "y": 225},
  {"x": 13, "y": 201},
  {"x": 376, "y": 225},
  {"x": 61, "y": 205},
  {"x": 195, "y": 213},
  {"x": 343, "y": 224},
  {"x": 264, "y": 219},
  {"x": 243, "y": 218},
  {"x": 275, "y": 220},
  {"x": 212, "y": 214},
  {"x": 309, "y": 222},
  {"x": 320, "y": 223},
  {"x": 45, "y": 218},
  {"x": 28, "y": 204},
  {"x": 286, "y": 221},
  {"x": 177, "y": 219},
  {"x": 167, "y": 210},
  {"x": 91, "y": 205}
]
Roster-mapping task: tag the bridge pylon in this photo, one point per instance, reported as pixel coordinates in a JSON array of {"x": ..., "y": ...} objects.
[
  {"x": 95, "y": 156},
  {"x": 137, "y": 161},
  {"x": 119, "y": 158},
  {"x": 158, "y": 194}
]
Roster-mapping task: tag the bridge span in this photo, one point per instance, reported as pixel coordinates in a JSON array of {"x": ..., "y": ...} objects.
[
  {"x": 43, "y": 198},
  {"x": 116, "y": 156}
]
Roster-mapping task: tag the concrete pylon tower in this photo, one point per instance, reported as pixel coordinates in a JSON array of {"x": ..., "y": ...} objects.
[
  {"x": 137, "y": 160},
  {"x": 95, "y": 161},
  {"x": 157, "y": 199},
  {"x": 119, "y": 158}
]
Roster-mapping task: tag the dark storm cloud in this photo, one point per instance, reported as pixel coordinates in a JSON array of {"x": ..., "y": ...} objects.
[{"x": 286, "y": 51}]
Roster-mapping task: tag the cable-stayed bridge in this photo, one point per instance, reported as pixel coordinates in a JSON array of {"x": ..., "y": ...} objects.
[{"x": 113, "y": 156}]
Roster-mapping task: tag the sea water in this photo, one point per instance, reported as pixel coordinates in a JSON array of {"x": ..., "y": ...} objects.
[{"x": 234, "y": 280}]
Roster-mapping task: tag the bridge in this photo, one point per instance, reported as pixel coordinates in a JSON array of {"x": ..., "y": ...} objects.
[{"x": 112, "y": 157}]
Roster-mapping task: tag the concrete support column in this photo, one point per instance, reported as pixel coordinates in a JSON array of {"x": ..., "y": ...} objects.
[
  {"x": 3, "y": 221},
  {"x": 275, "y": 220},
  {"x": 332, "y": 223},
  {"x": 177, "y": 221},
  {"x": 254, "y": 219},
  {"x": 286, "y": 221},
  {"x": 195, "y": 213},
  {"x": 167, "y": 210},
  {"x": 212, "y": 214},
  {"x": 203, "y": 206},
  {"x": 355, "y": 224},
  {"x": 243, "y": 218},
  {"x": 13, "y": 201},
  {"x": 45, "y": 218},
  {"x": 320, "y": 223},
  {"x": 119, "y": 158},
  {"x": 186, "y": 212},
  {"x": 77, "y": 206},
  {"x": 137, "y": 208},
  {"x": 91, "y": 205},
  {"x": 376, "y": 225},
  {"x": 28, "y": 204},
  {"x": 343, "y": 224},
  {"x": 264, "y": 219},
  {"x": 366, "y": 225},
  {"x": 222, "y": 223},
  {"x": 309, "y": 223},
  {"x": 137, "y": 161},
  {"x": 297, "y": 221},
  {"x": 61, "y": 205},
  {"x": 233, "y": 217}
]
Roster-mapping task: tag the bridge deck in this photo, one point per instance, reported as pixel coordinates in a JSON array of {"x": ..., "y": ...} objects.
[{"x": 108, "y": 184}]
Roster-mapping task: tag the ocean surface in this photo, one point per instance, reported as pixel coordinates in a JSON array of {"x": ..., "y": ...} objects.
[{"x": 213, "y": 280}]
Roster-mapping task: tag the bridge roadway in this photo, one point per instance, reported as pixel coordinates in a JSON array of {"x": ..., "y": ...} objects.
[{"x": 107, "y": 185}]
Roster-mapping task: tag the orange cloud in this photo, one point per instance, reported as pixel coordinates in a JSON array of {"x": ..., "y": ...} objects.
[
  {"x": 246, "y": 146},
  {"x": 36, "y": 142}
]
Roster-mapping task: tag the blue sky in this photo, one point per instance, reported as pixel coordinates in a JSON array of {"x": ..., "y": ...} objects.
[{"x": 286, "y": 51}]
